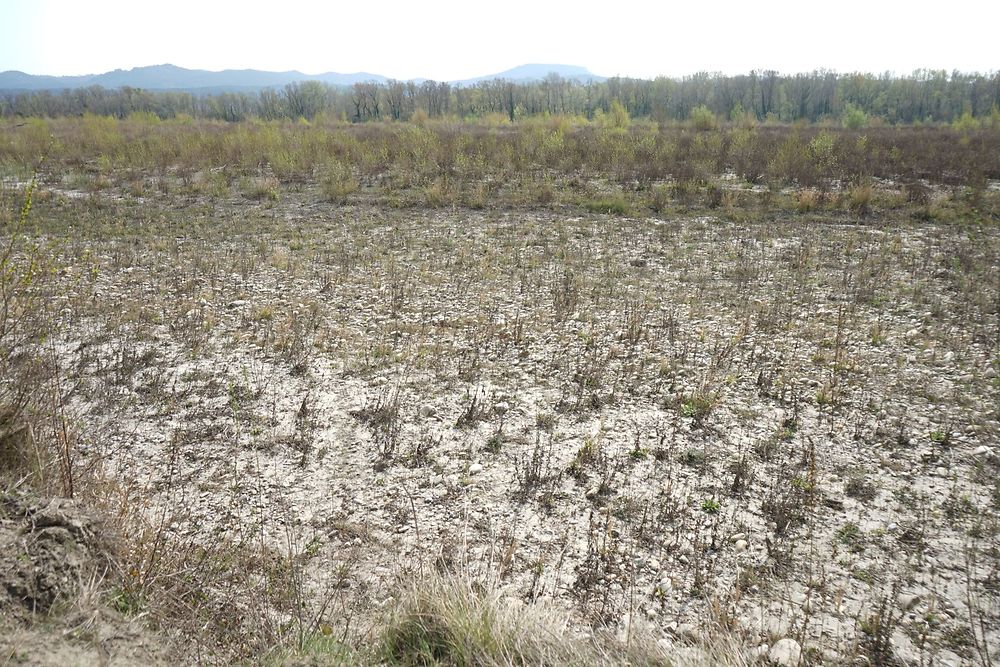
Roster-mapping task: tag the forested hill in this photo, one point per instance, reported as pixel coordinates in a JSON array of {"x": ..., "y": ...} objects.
[{"x": 173, "y": 78}]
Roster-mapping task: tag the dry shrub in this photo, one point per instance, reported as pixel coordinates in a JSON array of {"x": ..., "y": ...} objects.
[
  {"x": 337, "y": 182},
  {"x": 808, "y": 200},
  {"x": 261, "y": 188},
  {"x": 859, "y": 198},
  {"x": 454, "y": 620},
  {"x": 34, "y": 438}
]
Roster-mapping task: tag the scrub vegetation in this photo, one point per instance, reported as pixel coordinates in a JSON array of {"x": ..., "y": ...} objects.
[{"x": 582, "y": 388}]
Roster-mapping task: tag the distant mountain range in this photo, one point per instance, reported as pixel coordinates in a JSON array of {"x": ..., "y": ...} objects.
[{"x": 171, "y": 77}]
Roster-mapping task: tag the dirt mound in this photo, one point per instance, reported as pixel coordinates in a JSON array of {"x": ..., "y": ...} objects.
[
  {"x": 48, "y": 550},
  {"x": 52, "y": 561}
]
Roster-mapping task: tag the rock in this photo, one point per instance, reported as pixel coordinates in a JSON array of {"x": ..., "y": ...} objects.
[
  {"x": 833, "y": 502},
  {"x": 687, "y": 631},
  {"x": 785, "y": 652},
  {"x": 741, "y": 545},
  {"x": 980, "y": 450},
  {"x": 427, "y": 411},
  {"x": 907, "y": 601},
  {"x": 475, "y": 468},
  {"x": 683, "y": 559},
  {"x": 501, "y": 408},
  {"x": 737, "y": 537}
]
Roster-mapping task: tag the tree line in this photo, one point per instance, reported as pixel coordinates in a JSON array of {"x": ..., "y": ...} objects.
[{"x": 926, "y": 96}]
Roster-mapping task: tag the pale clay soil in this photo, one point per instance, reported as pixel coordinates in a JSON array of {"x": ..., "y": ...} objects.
[{"x": 665, "y": 413}]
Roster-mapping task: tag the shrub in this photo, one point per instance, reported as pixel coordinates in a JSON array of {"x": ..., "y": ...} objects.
[
  {"x": 807, "y": 201},
  {"x": 793, "y": 162},
  {"x": 337, "y": 182},
  {"x": 854, "y": 118},
  {"x": 821, "y": 150},
  {"x": 702, "y": 118},
  {"x": 616, "y": 117},
  {"x": 450, "y": 620},
  {"x": 860, "y": 197},
  {"x": 965, "y": 123},
  {"x": 26, "y": 408},
  {"x": 261, "y": 188},
  {"x": 613, "y": 205},
  {"x": 659, "y": 199}
]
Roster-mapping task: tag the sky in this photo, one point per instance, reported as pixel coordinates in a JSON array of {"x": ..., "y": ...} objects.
[{"x": 449, "y": 40}]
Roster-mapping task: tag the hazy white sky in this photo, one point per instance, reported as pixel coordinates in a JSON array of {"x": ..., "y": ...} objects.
[{"x": 452, "y": 40}]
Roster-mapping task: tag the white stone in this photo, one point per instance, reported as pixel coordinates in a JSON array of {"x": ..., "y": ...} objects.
[
  {"x": 907, "y": 601},
  {"x": 687, "y": 631},
  {"x": 785, "y": 652},
  {"x": 741, "y": 545},
  {"x": 475, "y": 468}
]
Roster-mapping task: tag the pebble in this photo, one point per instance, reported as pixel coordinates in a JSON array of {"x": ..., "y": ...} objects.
[
  {"x": 683, "y": 559},
  {"x": 741, "y": 545},
  {"x": 785, "y": 652},
  {"x": 427, "y": 411},
  {"x": 475, "y": 468},
  {"x": 907, "y": 601},
  {"x": 737, "y": 537},
  {"x": 980, "y": 450}
]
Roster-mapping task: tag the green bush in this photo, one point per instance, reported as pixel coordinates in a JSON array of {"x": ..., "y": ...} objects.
[
  {"x": 854, "y": 118},
  {"x": 615, "y": 205},
  {"x": 337, "y": 182},
  {"x": 702, "y": 118}
]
